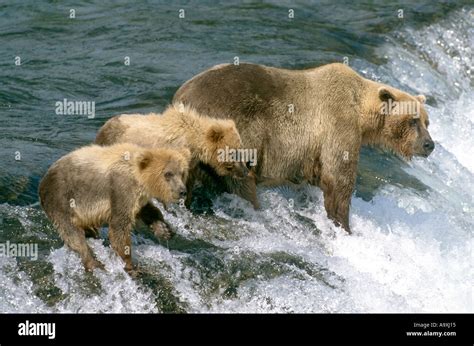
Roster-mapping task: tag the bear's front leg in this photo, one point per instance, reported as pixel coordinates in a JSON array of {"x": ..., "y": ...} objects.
[
  {"x": 337, "y": 181},
  {"x": 153, "y": 218},
  {"x": 337, "y": 203},
  {"x": 120, "y": 229},
  {"x": 123, "y": 210}
]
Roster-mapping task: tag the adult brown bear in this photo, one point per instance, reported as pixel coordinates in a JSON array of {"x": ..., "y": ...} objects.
[{"x": 310, "y": 124}]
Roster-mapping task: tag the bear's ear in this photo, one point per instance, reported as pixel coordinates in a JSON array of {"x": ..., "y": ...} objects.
[
  {"x": 385, "y": 94},
  {"x": 215, "y": 133},
  {"x": 421, "y": 98},
  {"x": 144, "y": 160}
]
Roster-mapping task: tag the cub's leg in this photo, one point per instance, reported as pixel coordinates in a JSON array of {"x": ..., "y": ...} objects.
[
  {"x": 74, "y": 237},
  {"x": 123, "y": 210},
  {"x": 153, "y": 218}
]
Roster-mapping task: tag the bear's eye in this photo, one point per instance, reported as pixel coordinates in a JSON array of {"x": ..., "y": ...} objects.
[
  {"x": 169, "y": 175},
  {"x": 413, "y": 122}
]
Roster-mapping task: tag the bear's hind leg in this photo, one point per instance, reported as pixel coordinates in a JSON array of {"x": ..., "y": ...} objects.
[
  {"x": 337, "y": 183},
  {"x": 74, "y": 237},
  {"x": 337, "y": 202}
]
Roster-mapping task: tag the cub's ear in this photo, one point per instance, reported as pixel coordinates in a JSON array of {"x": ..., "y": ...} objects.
[
  {"x": 144, "y": 160},
  {"x": 385, "y": 94},
  {"x": 215, "y": 133},
  {"x": 421, "y": 98}
]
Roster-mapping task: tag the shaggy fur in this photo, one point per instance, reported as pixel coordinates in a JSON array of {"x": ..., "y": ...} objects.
[
  {"x": 179, "y": 127},
  {"x": 307, "y": 124},
  {"x": 95, "y": 185}
]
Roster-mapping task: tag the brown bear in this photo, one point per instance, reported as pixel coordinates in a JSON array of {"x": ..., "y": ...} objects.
[
  {"x": 181, "y": 126},
  {"x": 95, "y": 185},
  {"x": 310, "y": 124}
]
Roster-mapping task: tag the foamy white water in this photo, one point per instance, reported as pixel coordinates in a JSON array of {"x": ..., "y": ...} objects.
[{"x": 411, "y": 250}]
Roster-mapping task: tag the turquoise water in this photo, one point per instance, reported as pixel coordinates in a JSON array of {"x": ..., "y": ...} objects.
[{"x": 412, "y": 221}]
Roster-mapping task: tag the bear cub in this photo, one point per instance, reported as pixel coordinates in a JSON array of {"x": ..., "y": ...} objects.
[
  {"x": 180, "y": 126},
  {"x": 95, "y": 185}
]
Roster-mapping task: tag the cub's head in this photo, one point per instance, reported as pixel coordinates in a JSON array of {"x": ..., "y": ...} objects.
[
  {"x": 223, "y": 150},
  {"x": 164, "y": 173},
  {"x": 405, "y": 129}
]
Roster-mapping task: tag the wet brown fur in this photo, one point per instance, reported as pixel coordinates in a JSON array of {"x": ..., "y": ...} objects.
[
  {"x": 95, "y": 185},
  {"x": 179, "y": 127},
  {"x": 336, "y": 111}
]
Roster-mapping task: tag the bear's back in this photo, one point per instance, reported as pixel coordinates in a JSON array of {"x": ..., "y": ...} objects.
[{"x": 233, "y": 91}]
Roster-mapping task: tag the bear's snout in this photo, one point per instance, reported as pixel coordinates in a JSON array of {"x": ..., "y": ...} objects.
[
  {"x": 428, "y": 146},
  {"x": 424, "y": 146}
]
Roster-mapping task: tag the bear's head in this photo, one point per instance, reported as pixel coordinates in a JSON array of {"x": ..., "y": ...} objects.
[
  {"x": 405, "y": 123},
  {"x": 223, "y": 149},
  {"x": 164, "y": 173}
]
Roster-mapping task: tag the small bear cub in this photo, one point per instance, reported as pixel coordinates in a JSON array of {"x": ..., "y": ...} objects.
[{"x": 95, "y": 185}]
